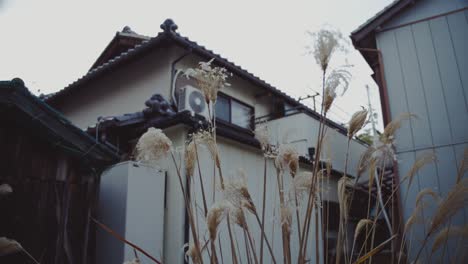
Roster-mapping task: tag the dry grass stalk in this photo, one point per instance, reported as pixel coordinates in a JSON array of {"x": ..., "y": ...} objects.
[
  {"x": 389, "y": 132},
  {"x": 5, "y": 189},
  {"x": 192, "y": 253},
  {"x": 205, "y": 138},
  {"x": 210, "y": 79},
  {"x": 424, "y": 193},
  {"x": 152, "y": 145},
  {"x": 415, "y": 217},
  {"x": 190, "y": 158},
  {"x": 456, "y": 199},
  {"x": 447, "y": 232},
  {"x": 357, "y": 122},
  {"x": 215, "y": 215},
  {"x": 424, "y": 159},
  {"x": 237, "y": 193},
  {"x": 343, "y": 196},
  {"x": 365, "y": 160},
  {"x": 134, "y": 261},
  {"x": 360, "y": 225},
  {"x": 286, "y": 219},
  {"x": 287, "y": 157},
  {"x": 337, "y": 79},
  {"x": 463, "y": 165}
]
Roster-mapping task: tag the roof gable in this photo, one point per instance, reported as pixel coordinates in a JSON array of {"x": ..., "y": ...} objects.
[{"x": 45, "y": 121}]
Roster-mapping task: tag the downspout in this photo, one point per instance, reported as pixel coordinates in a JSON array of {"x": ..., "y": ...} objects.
[
  {"x": 174, "y": 74},
  {"x": 387, "y": 119}
]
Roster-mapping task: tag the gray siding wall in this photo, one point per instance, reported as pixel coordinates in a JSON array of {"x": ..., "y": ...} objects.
[{"x": 426, "y": 69}]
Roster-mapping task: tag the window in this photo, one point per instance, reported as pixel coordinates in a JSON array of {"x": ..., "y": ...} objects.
[{"x": 233, "y": 111}]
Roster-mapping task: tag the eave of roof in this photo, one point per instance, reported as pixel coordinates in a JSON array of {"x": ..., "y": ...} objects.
[
  {"x": 169, "y": 34},
  {"x": 380, "y": 18},
  {"x": 59, "y": 129}
]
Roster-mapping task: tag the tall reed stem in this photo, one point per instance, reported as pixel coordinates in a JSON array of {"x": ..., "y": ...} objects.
[{"x": 263, "y": 207}]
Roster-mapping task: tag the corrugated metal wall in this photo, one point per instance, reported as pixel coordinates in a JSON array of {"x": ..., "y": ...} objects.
[{"x": 426, "y": 69}]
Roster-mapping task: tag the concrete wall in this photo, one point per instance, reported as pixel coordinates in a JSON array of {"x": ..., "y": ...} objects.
[
  {"x": 124, "y": 191},
  {"x": 426, "y": 69},
  {"x": 302, "y": 130},
  {"x": 121, "y": 91}
]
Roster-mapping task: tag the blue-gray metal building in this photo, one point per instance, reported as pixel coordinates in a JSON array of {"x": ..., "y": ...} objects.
[{"x": 418, "y": 51}]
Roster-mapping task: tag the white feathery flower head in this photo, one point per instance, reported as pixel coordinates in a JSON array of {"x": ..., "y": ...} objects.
[
  {"x": 5, "y": 189},
  {"x": 215, "y": 215},
  {"x": 210, "y": 79},
  {"x": 237, "y": 193},
  {"x": 287, "y": 157},
  {"x": 325, "y": 43},
  {"x": 152, "y": 145},
  {"x": 191, "y": 253}
]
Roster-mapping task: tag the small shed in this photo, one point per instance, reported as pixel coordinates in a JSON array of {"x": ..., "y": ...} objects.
[{"x": 53, "y": 168}]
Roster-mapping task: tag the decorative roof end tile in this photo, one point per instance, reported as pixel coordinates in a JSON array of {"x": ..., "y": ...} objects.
[{"x": 169, "y": 26}]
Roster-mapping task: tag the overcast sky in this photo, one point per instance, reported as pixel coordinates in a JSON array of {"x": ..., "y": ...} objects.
[{"x": 49, "y": 44}]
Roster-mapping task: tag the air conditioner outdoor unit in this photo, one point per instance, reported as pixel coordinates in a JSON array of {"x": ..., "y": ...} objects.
[{"x": 192, "y": 99}]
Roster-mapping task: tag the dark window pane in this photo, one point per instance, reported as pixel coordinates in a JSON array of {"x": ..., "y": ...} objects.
[
  {"x": 222, "y": 108},
  {"x": 241, "y": 115}
]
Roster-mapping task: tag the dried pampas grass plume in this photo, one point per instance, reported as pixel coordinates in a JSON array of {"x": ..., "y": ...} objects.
[
  {"x": 338, "y": 78},
  {"x": 9, "y": 246},
  {"x": 214, "y": 217},
  {"x": 447, "y": 232},
  {"x": 287, "y": 157},
  {"x": 192, "y": 253},
  {"x": 152, "y": 145},
  {"x": 389, "y": 131},
  {"x": 237, "y": 193},
  {"x": 343, "y": 196},
  {"x": 421, "y": 161},
  {"x": 357, "y": 122},
  {"x": 190, "y": 157},
  {"x": 456, "y": 199},
  {"x": 301, "y": 185},
  {"x": 360, "y": 225},
  {"x": 263, "y": 137},
  {"x": 135, "y": 261},
  {"x": 205, "y": 138},
  {"x": 5, "y": 189},
  {"x": 424, "y": 193},
  {"x": 325, "y": 43},
  {"x": 209, "y": 79}
]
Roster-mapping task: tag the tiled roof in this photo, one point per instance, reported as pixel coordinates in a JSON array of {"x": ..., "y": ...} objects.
[
  {"x": 53, "y": 125},
  {"x": 169, "y": 34}
]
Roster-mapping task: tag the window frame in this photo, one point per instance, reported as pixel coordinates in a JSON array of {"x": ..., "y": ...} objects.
[{"x": 230, "y": 99}]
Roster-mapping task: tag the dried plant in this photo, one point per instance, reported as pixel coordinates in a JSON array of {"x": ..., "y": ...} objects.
[
  {"x": 210, "y": 79},
  {"x": 325, "y": 43},
  {"x": 337, "y": 79},
  {"x": 415, "y": 217},
  {"x": 357, "y": 122},
  {"x": 446, "y": 233},
  {"x": 360, "y": 226},
  {"x": 5, "y": 189},
  {"x": 287, "y": 157},
  {"x": 388, "y": 135},
  {"x": 152, "y": 146},
  {"x": 192, "y": 253},
  {"x": 286, "y": 218},
  {"x": 134, "y": 261},
  {"x": 463, "y": 165},
  {"x": 263, "y": 137},
  {"x": 343, "y": 196},
  {"x": 206, "y": 139},
  {"x": 215, "y": 215},
  {"x": 190, "y": 158},
  {"x": 237, "y": 193},
  {"x": 456, "y": 199},
  {"x": 301, "y": 185},
  {"x": 421, "y": 161},
  {"x": 9, "y": 246},
  {"x": 424, "y": 193}
]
